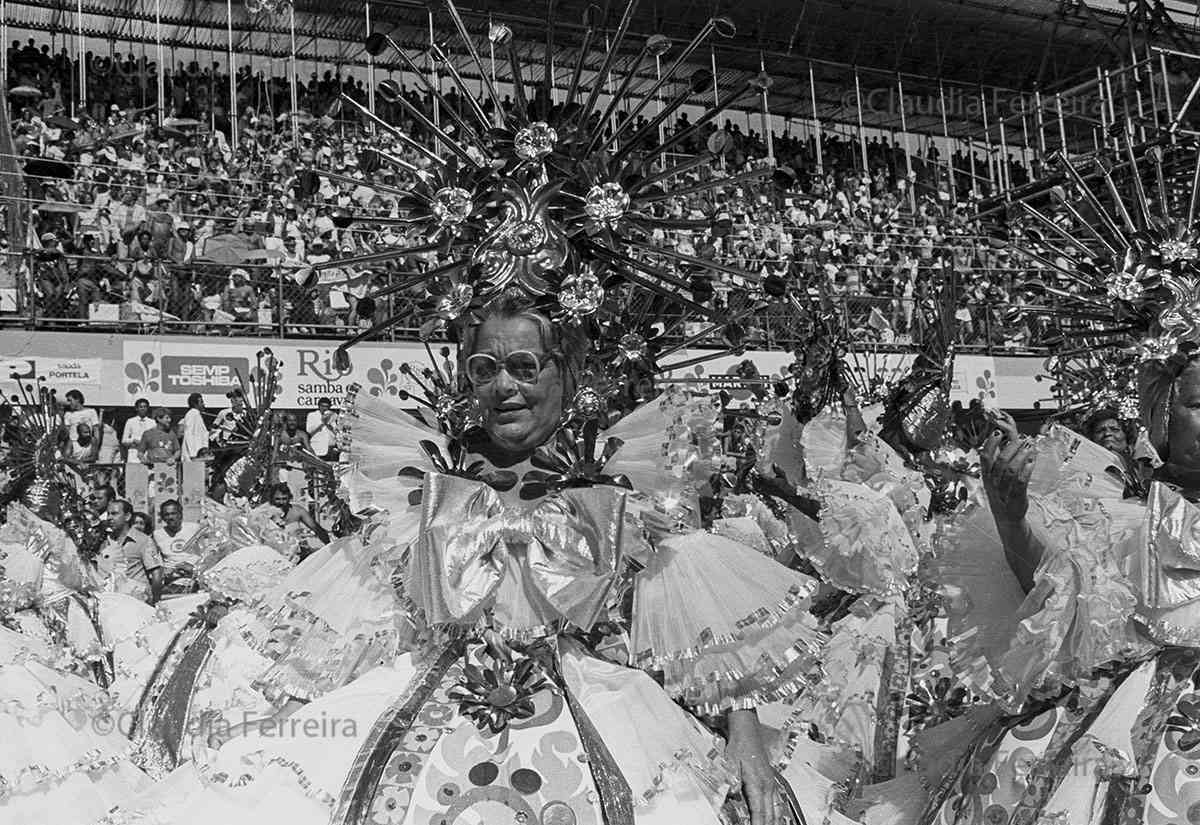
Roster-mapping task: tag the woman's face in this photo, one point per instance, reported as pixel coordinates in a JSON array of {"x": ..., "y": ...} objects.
[
  {"x": 1183, "y": 429},
  {"x": 518, "y": 415}
]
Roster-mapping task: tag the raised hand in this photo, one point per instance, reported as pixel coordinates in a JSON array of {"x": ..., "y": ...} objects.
[{"x": 1007, "y": 462}]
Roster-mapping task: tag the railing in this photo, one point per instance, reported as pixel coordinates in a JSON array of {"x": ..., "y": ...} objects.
[{"x": 89, "y": 293}]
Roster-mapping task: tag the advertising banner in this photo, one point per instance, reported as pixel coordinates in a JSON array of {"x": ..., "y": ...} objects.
[{"x": 115, "y": 370}]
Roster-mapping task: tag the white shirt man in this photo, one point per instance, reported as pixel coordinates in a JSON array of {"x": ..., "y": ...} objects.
[
  {"x": 195, "y": 434},
  {"x": 172, "y": 537},
  {"x": 319, "y": 424},
  {"x": 135, "y": 428},
  {"x": 77, "y": 414}
]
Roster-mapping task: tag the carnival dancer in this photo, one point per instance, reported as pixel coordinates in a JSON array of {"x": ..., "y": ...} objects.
[{"x": 1089, "y": 643}]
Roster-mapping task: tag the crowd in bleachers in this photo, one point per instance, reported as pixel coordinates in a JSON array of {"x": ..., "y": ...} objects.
[{"x": 177, "y": 224}]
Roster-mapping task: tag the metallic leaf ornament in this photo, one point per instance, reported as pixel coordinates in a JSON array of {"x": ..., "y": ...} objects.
[{"x": 527, "y": 249}]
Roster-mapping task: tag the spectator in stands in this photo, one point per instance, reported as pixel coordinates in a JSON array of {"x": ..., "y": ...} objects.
[
  {"x": 135, "y": 427},
  {"x": 129, "y": 559},
  {"x": 159, "y": 445},
  {"x": 141, "y": 523},
  {"x": 240, "y": 299},
  {"x": 292, "y": 435},
  {"x": 195, "y": 433},
  {"x": 51, "y": 277},
  {"x": 227, "y": 420},
  {"x": 81, "y": 450},
  {"x": 285, "y": 513},
  {"x": 320, "y": 426},
  {"x": 76, "y": 416},
  {"x": 109, "y": 450},
  {"x": 173, "y": 538}
]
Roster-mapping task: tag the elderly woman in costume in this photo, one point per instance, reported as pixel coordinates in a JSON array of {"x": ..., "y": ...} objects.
[{"x": 509, "y": 709}]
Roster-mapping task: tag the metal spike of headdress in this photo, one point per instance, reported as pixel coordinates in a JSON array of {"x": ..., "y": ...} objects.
[
  {"x": 558, "y": 202},
  {"x": 1122, "y": 262}
]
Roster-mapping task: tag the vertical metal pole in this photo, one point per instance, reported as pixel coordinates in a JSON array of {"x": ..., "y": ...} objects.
[
  {"x": 1025, "y": 139},
  {"x": 4, "y": 39},
  {"x": 1104, "y": 121},
  {"x": 766, "y": 114},
  {"x": 1162, "y": 62},
  {"x": 1112, "y": 110},
  {"x": 1149, "y": 77},
  {"x": 1062, "y": 124},
  {"x": 1040, "y": 120},
  {"x": 862, "y": 138},
  {"x": 435, "y": 78},
  {"x": 231, "y": 67},
  {"x": 949, "y": 146},
  {"x": 812, "y": 89},
  {"x": 82, "y": 63},
  {"x": 904, "y": 131},
  {"x": 987, "y": 138},
  {"x": 1005, "y": 180},
  {"x": 370, "y": 65},
  {"x": 295, "y": 96},
  {"x": 160, "y": 91},
  {"x": 658, "y": 100},
  {"x": 279, "y": 300},
  {"x": 712, "y": 59}
]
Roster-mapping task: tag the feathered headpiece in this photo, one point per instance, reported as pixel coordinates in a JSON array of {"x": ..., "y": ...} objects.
[{"x": 561, "y": 202}]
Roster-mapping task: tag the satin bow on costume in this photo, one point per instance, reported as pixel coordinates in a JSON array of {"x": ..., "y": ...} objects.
[{"x": 556, "y": 559}]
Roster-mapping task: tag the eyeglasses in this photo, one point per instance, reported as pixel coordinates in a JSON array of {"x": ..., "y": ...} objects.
[{"x": 521, "y": 365}]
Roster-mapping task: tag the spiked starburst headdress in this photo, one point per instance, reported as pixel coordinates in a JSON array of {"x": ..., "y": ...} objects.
[
  {"x": 1121, "y": 259},
  {"x": 560, "y": 202}
]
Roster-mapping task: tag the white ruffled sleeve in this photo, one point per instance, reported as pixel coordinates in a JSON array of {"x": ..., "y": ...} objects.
[
  {"x": 727, "y": 626},
  {"x": 1078, "y": 615},
  {"x": 867, "y": 546},
  {"x": 334, "y": 617}
]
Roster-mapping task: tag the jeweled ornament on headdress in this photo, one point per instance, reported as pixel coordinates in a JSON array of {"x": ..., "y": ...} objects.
[
  {"x": 581, "y": 295},
  {"x": 606, "y": 203},
  {"x": 451, "y": 205},
  {"x": 535, "y": 141}
]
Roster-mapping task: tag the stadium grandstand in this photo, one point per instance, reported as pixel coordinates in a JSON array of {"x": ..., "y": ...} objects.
[{"x": 177, "y": 177}]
